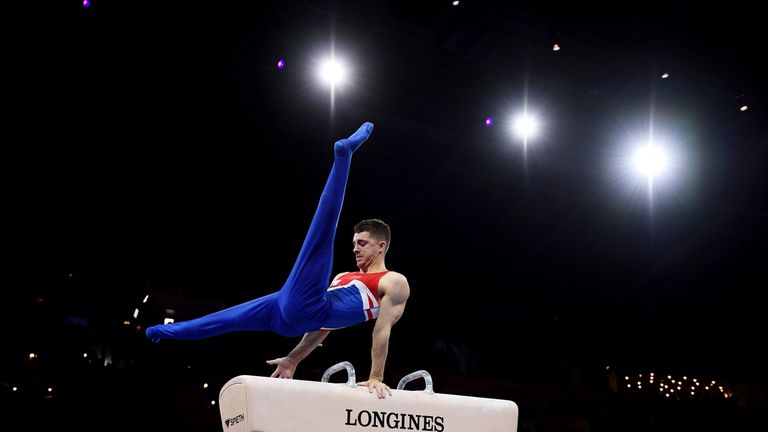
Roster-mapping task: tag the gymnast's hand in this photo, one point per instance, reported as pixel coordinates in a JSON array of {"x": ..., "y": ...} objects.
[
  {"x": 374, "y": 385},
  {"x": 286, "y": 366}
]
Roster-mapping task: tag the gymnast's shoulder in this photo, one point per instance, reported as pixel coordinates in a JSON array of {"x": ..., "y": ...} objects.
[{"x": 394, "y": 283}]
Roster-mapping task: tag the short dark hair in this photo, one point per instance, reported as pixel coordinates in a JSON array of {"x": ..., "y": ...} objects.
[{"x": 377, "y": 228}]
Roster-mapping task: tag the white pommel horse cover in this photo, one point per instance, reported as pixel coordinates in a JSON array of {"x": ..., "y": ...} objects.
[{"x": 262, "y": 404}]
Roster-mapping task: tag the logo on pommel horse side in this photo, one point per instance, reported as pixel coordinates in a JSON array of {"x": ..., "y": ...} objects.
[
  {"x": 394, "y": 420},
  {"x": 234, "y": 420}
]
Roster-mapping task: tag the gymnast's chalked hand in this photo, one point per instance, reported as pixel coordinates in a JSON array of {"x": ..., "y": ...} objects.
[
  {"x": 286, "y": 366},
  {"x": 375, "y": 386}
]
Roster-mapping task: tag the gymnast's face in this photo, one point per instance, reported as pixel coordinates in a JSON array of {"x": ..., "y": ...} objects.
[{"x": 367, "y": 249}]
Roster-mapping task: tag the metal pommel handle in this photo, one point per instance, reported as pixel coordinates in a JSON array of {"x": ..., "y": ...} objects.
[
  {"x": 416, "y": 375},
  {"x": 339, "y": 366}
]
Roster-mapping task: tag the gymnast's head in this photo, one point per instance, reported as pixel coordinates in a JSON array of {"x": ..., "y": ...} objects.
[{"x": 371, "y": 241}]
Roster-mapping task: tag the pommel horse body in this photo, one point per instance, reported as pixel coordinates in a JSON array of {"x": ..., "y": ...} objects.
[{"x": 262, "y": 404}]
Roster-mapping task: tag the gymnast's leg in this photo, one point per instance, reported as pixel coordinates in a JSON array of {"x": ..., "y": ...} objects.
[
  {"x": 300, "y": 300},
  {"x": 253, "y": 315}
]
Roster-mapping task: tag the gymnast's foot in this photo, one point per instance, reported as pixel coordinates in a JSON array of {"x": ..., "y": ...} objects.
[
  {"x": 346, "y": 146},
  {"x": 152, "y": 334}
]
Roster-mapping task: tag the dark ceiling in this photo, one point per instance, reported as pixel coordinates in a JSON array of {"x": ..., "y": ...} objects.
[{"x": 161, "y": 150}]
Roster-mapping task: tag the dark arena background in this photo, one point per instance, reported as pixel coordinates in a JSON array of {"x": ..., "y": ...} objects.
[{"x": 164, "y": 159}]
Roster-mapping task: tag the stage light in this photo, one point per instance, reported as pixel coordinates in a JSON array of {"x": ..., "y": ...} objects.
[
  {"x": 651, "y": 160},
  {"x": 526, "y": 126},
  {"x": 333, "y": 72}
]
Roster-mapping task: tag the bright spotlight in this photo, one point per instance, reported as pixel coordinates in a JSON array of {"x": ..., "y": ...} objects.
[
  {"x": 526, "y": 126},
  {"x": 333, "y": 72},
  {"x": 650, "y": 160},
  {"x": 657, "y": 166}
]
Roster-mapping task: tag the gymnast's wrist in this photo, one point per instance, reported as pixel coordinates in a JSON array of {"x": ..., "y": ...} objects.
[{"x": 376, "y": 377}]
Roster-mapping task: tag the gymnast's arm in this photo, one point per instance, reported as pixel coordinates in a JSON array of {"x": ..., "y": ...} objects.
[
  {"x": 391, "y": 309},
  {"x": 286, "y": 366}
]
